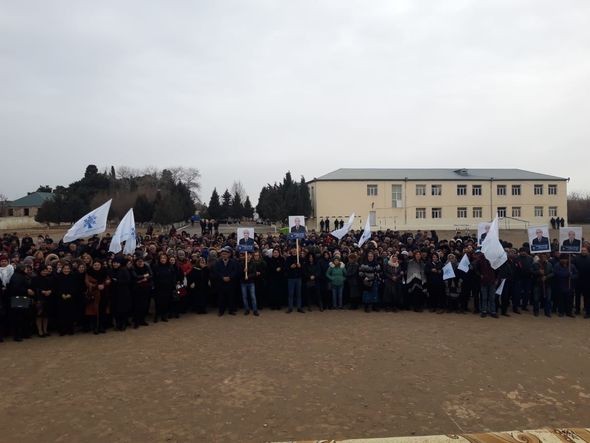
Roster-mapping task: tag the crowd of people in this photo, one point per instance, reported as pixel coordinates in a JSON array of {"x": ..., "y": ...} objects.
[{"x": 52, "y": 287}]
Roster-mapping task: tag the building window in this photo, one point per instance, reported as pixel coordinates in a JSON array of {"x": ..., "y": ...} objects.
[
  {"x": 436, "y": 212},
  {"x": 538, "y": 190},
  {"x": 436, "y": 190},
  {"x": 371, "y": 190},
  {"x": 26, "y": 212},
  {"x": 552, "y": 211},
  {"x": 11, "y": 212},
  {"x": 461, "y": 189},
  {"x": 501, "y": 211},
  {"x": 396, "y": 196},
  {"x": 420, "y": 212},
  {"x": 552, "y": 189},
  {"x": 515, "y": 189},
  {"x": 461, "y": 212},
  {"x": 516, "y": 211},
  {"x": 420, "y": 189},
  {"x": 501, "y": 190},
  {"x": 538, "y": 211},
  {"x": 477, "y": 212},
  {"x": 476, "y": 190}
]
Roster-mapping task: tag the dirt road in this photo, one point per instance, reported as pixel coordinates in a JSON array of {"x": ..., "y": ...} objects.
[{"x": 314, "y": 375}]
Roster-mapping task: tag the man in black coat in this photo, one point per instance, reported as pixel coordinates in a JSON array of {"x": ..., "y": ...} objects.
[
  {"x": 226, "y": 273},
  {"x": 582, "y": 264}
]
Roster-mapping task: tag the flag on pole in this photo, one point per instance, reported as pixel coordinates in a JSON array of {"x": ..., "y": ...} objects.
[
  {"x": 464, "y": 264},
  {"x": 366, "y": 233},
  {"x": 339, "y": 233},
  {"x": 492, "y": 248},
  {"x": 95, "y": 222},
  {"x": 125, "y": 233},
  {"x": 448, "y": 271}
]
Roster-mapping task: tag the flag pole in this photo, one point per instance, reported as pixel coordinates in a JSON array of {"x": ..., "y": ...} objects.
[
  {"x": 297, "y": 248},
  {"x": 246, "y": 265}
]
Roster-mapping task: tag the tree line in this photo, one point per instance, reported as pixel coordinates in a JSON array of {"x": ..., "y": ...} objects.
[{"x": 163, "y": 197}]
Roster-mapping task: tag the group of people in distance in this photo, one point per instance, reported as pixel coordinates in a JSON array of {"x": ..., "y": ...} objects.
[{"x": 48, "y": 286}]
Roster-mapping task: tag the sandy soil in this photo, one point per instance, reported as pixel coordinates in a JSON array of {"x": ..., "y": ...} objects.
[{"x": 316, "y": 375}]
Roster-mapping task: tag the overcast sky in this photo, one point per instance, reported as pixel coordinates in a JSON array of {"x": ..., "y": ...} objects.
[{"x": 249, "y": 89}]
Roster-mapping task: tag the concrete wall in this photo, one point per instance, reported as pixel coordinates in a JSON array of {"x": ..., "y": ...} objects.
[{"x": 16, "y": 223}]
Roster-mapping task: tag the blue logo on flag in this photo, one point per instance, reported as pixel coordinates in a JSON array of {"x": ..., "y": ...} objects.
[{"x": 89, "y": 221}]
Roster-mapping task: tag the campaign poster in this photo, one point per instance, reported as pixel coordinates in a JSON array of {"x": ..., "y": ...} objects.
[
  {"x": 297, "y": 228},
  {"x": 570, "y": 240},
  {"x": 539, "y": 240},
  {"x": 245, "y": 239}
]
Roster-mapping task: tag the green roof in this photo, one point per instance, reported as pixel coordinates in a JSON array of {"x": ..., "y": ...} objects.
[{"x": 33, "y": 200}]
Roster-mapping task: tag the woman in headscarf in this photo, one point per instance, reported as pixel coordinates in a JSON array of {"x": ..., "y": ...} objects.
[
  {"x": 97, "y": 282},
  {"x": 370, "y": 275},
  {"x": 392, "y": 277}
]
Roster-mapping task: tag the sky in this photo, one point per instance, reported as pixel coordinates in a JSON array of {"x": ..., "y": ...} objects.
[{"x": 246, "y": 90}]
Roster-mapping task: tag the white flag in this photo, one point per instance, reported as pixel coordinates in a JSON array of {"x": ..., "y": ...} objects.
[
  {"x": 464, "y": 264},
  {"x": 95, "y": 222},
  {"x": 448, "y": 271},
  {"x": 366, "y": 233},
  {"x": 125, "y": 233},
  {"x": 501, "y": 287},
  {"x": 339, "y": 233},
  {"x": 492, "y": 248}
]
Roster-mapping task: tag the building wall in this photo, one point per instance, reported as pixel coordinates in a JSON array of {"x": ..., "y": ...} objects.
[
  {"x": 341, "y": 198},
  {"x": 22, "y": 212}
]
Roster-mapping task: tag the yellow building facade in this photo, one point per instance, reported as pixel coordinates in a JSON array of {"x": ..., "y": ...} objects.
[{"x": 409, "y": 199}]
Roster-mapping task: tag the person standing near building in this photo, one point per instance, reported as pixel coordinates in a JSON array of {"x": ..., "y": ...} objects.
[
  {"x": 370, "y": 276},
  {"x": 564, "y": 274}
]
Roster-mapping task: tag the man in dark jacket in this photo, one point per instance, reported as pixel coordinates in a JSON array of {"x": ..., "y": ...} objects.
[
  {"x": 294, "y": 274},
  {"x": 226, "y": 273},
  {"x": 582, "y": 264}
]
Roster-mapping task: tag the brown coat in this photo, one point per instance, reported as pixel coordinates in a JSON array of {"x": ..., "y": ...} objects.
[{"x": 94, "y": 294}]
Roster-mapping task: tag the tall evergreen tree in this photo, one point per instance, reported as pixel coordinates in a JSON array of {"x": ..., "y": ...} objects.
[
  {"x": 248, "y": 209},
  {"x": 226, "y": 204},
  {"x": 214, "y": 208},
  {"x": 237, "y": 208}
]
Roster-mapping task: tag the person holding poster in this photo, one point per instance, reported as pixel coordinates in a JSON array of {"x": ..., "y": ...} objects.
[
  {"x": 542, "y": 275},
  {"x": 297, "y": 225},
  {"x": 539, "y": 239},
  {"x": 294, "y": 275},
  {"x": 245, "y": 239},
  {"x": 569, "y": 240}
]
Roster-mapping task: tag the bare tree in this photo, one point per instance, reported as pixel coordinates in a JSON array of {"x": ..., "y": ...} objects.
[
  {"x": 191, "y": 177},
  {"x": 238, "y": 188}
]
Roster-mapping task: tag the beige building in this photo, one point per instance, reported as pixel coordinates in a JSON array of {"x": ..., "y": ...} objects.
[{"x": 438, "y": 198}]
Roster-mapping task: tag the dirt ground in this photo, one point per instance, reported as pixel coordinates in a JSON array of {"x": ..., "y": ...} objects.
[{"x": 334, "y": 374}]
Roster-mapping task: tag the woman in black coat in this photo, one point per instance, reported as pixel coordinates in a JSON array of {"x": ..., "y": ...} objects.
[
  {"x": 121, "y": 293},
  {"x": 142, "y": 281},
  {"x": 198, "y": 286},
  {"x": 164, "y": 285},
  {"x": 67, "y": 294}
]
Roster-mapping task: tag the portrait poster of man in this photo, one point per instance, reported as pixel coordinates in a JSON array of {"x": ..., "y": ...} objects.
[
  {"x": 570, "y": 240},
  {"x": 539, "y": 239},
  {"x": 245, "y": 239},
  {"x": 482, "y": 231},
  {"x": 297, "y": 227}
]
